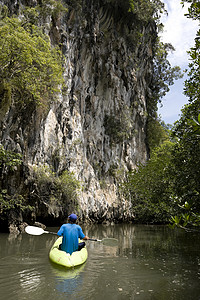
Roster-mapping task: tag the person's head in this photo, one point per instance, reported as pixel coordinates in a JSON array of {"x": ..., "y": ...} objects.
[{"x": 72, "y": 218}]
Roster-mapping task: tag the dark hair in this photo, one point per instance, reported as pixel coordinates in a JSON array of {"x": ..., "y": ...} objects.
[{"x": 71, "y": 221}]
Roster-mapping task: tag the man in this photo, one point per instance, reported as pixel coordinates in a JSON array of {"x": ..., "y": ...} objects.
[{"x": 71, "y": 232}]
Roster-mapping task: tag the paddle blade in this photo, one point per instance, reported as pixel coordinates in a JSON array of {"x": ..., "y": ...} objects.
[{"x": 34, "y": 230}]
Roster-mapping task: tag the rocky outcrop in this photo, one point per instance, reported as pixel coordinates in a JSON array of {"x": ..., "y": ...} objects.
[{"x": 97, "y": 127}]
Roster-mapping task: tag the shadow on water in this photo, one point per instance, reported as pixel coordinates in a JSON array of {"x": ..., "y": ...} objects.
[{"x": 149, "y": 262}]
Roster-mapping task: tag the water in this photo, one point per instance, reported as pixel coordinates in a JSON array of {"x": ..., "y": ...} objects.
[{"x": 149, "y": 263}]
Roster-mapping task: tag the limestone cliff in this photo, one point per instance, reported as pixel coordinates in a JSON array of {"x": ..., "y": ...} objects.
[{"x": 97, "y": 127}]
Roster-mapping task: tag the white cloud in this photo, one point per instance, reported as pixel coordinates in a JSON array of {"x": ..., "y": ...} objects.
[
  {"x": 173, "y": 102},
  {"x": 179, "y": 31}
]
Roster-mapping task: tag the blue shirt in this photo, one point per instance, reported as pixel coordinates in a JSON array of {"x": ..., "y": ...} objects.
[{"x": 71, "y": 233}]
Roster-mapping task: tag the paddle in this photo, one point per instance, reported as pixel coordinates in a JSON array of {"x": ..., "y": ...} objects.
[{"x": 38, "y": 231}]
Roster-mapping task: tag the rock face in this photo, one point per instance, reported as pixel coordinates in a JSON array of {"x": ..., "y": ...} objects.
[{"x": 97, "y": 127}]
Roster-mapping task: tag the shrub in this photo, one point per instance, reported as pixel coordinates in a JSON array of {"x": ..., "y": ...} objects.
[
  {"x": 29, "y": 66},
  {"x": 63, "y": 189}
]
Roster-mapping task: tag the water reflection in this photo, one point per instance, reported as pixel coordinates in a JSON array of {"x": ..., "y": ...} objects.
[
  {"x": 68, "y": 281},
  {"x": 29, "y": 279}
]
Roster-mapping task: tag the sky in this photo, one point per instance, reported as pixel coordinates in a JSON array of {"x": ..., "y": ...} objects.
[{"x": 180, "y": 32}]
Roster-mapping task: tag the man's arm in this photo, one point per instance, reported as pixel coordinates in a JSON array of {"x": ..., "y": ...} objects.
[
  {"x": 82, "y": 236},
  {"x": 60, "y": 231}
]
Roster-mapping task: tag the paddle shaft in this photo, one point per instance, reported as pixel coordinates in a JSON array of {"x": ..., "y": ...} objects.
[{"x": 50, "y": 232}]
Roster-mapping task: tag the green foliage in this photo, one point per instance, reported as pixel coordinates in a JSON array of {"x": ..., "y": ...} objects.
[
  {"x": 146, "y": 10},
  {"x": 120, "y": 127},
  {"x": 157, "y": 133},
  {"x": 187, "y": 129},
  {"x": 5, "y": 96},
  {"x": 9, "y": 160},
  {"x": 76, "y": 4},
  {"x": 163, "y": 74},
  {"x": 192, "y": 89},
  {"x": 186, "y": 217},
  {"x": 194, "y": 9},
  {"x": 195, "y": 126},
  {"x": 63, "y": 189},
  {"x": 54, "y": 8},
  {"x": 29, "y": 66},
  {"x": 186, "y": 163},
  {"x": 38, "y": 14},
  {"x": 16, "y": 201},
  {"x": 114, "y": 128},
  {"x": 68, "y": 185},
  {"x": 150, "y": 187},
  {"x": 171, "y": 177},
  {"x": 143, "y": 10},
  {"x": 44, "y": 175}
]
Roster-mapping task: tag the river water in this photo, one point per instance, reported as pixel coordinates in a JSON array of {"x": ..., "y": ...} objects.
[{"x": 149, "y": 262}]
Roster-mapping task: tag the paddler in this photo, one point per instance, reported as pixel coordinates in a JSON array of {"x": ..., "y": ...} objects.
[{"x": 71, "y": 232}]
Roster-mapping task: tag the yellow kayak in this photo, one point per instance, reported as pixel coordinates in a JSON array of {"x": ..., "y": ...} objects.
[{"x": 65, "y": 259}]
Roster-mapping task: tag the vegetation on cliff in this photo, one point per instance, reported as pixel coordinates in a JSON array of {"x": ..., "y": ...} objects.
[
  {"x": 47, "y": 187},
  {"x": 9, "y": 163},
  {"x": 30, "y": 68},
  {"x": 55, "y": 190},
  {"x": 143, "y": 10}
]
